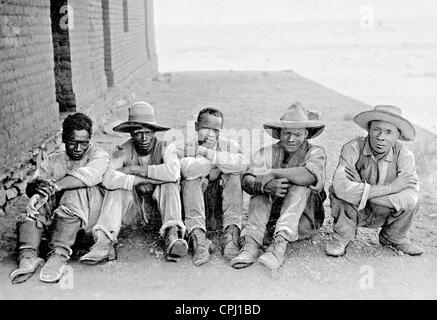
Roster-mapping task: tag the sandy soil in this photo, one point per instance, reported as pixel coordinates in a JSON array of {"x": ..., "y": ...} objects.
[{"x": 248, "y": 99}]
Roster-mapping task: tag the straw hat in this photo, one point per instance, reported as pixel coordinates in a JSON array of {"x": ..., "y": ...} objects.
[
  {"x": 141, "y": 115},
  {"x": 389, "y": 114}
]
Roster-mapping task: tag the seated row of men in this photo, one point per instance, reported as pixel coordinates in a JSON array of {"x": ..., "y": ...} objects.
[{"x": 374, "y": 185}]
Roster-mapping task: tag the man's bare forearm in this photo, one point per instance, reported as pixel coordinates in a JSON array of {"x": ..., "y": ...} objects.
[
  {"x": 382, "y": 201},
  {"x": 140, "y": 180},
  {"x": 297, "y": 175}
]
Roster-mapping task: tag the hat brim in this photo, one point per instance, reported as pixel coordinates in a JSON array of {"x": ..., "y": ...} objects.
[
  {"x": 128, "y": 126},
  {"x": 314, "y": 128},
  {"x": 407, "y": 130}
]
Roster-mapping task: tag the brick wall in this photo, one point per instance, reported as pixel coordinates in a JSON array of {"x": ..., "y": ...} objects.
[
  {"x": 129, "y": 49},
  {"x": 28, "y": 110},
  {"x": 87, "y": 55}
]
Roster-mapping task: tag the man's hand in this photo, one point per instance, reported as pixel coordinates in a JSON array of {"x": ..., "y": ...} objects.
[
  {"x": 45, "y": 188},
  {"x": 201, "y": 151},
  {"x": 145, "y": 188},
  {"x": 352, "y": 175},
  {"x": 403, "y": 182},
  {"x": 277, "y": 187}
]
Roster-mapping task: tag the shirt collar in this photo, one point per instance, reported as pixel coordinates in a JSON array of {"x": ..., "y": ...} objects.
[{"x": 367, "y": 151}]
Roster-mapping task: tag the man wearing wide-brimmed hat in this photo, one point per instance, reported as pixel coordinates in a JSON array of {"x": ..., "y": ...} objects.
[
  {"x": 375, "y": 183},
  {"x": 143, "y": 173},
  {"x": 287, "y": 176}
]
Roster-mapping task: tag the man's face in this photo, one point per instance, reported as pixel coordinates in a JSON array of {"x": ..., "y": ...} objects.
[
  {"x": 142, "y": 139},
  {"x": 292, "y": 139},
  {"x": 208, "y": 130},
  {"x": 382, "y": 136},
  {"x": 77, "y": 144}
]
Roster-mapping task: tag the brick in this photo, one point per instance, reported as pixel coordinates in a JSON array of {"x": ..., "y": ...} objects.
[{"x": 11, "y": 193}]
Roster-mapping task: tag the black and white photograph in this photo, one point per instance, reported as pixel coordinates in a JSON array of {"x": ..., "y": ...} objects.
[{"x": 218, "y": 150}]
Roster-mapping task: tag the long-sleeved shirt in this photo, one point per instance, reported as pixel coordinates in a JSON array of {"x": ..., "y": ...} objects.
[
  {"x": 125, "y": 155},
  {"x": 89, "y": 169},
  {"x": 226, "y": 156},
  {"x": 357, "y": 156},
  {"x": 311, "y": 157}
]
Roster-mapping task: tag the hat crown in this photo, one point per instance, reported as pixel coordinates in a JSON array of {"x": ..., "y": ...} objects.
[
  {"x": 389, "y": 109},
  {"x": 141, "y": 112},
  {"x": 295, "y": 112}
]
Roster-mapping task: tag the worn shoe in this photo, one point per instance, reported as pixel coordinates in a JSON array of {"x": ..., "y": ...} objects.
[
  {"x": 176, "y": 247},
  {"x": 248, "y": 254},
  {"x": 54, "y": 268},
  {"x": 201, "y": 247},
  {"x": 336, "y": 248},
  {"x": 274, "y": 256},
  {"x": 28, "y": 264},
  {"x": 407, "y": 248},
  {"x": 231, "y": 242},
  {"x": 103, "y": 250}
]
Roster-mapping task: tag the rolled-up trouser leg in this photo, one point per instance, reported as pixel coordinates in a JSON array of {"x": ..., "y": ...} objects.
[
  {"x": 168, "y": 198},
  {"x": 345, "y": 219},
  {"x": 194, "y": 206},
  {"x": 292, "y": 208},
  {"x": 115, "y": 204},
  {"x": 232, "y": 200},
  {"x": 260, "y": 207}
]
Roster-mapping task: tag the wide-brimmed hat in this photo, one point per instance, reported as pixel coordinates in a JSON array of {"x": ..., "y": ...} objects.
[
  {"x": 296, "y": 117},
  {"x": 141, "y": 115},
  {"x": 389, "y": 114}
]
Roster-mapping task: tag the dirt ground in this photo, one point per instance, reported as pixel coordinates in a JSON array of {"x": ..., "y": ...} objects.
[{"x": 247, "y": 99}]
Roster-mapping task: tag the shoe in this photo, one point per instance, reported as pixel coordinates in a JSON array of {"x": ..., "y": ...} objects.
[
  {"x": 407, "y": 248},
  {"x": 274, "y": 256},
  {"x": 336, "y": 248},
  {"x": 54, "y": 268},
  {"x": 231, "y": 242},
  {"x": 176, "y": 247},
  {"x": 103, "y": 250},
  {"x": 248, "y": 254},
  {"x": 201, "y": 247},
  {"x": 28, "y": 264}
]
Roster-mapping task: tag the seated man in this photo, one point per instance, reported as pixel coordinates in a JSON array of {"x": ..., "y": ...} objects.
[
  {"x": 143, "y": 172},
  {"x": 375, "y": 183},
  {"x": 64, "y": 195},
  {"x": 289, "y": 174},
  {"x": 210, "y": 162}
]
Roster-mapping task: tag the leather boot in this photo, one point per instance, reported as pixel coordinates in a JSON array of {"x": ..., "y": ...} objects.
[
  {"x": 231, "y": 242},
  {"x": 407, "y": 247},
  {"x": 248, "y": 254},
  {"x": 103, "y": 250},
  {"x": 54, "y": 268},
  {"x": 175, "y": 246},
  {"x": 274, "y": 256},
  {"x": 201, "y": 247},
  {"x": 28, "y": 264},
  {"x": 336, "y": 248},
  {"x": 64, "y": 234}
]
